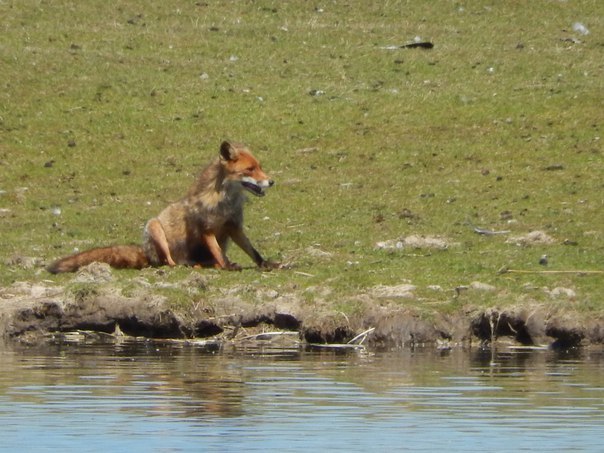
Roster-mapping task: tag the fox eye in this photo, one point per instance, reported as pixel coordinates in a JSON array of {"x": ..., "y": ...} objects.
[{"x": 249, "y": 169}]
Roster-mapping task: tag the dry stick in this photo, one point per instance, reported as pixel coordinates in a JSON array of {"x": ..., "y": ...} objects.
[
  {"x": 267, "y": 334},
  {"x": 338, "y": 346},
  {"x": 519, "y": 271},
  {"x": 352, "y": 344},
  {"x": 304, "y": 274},
  {"x": 362, "y": 335}
]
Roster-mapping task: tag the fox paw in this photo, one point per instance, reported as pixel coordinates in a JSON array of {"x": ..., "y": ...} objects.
[
  {"x": 232, "y": 267},
  {"x": 270, "y": 265}
]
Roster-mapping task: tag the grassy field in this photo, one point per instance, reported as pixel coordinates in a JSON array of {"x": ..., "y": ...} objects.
[{"x": 108, "y": 110}]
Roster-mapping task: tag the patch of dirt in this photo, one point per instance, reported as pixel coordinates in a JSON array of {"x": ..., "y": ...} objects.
[
  {"x": 532, "y": 238},
  {"x": 416, "y": 242}
]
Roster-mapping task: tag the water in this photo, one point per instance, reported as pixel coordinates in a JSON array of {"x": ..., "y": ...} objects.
[{"x": 171, "y": 398}]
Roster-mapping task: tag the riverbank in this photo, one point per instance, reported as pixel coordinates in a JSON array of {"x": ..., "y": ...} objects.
[{"x": 36, "y": 312}]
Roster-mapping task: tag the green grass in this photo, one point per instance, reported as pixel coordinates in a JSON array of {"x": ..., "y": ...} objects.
[{"x": 108, "y": 110}]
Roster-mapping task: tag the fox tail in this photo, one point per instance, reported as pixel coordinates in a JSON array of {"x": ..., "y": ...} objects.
[{"x": 118, "y": 256}]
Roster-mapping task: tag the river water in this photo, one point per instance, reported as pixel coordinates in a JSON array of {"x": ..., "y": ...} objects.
[{"x": 172, "y": 397}]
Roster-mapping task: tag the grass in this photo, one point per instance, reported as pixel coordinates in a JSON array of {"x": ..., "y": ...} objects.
[{"x": 107, "y": 111}]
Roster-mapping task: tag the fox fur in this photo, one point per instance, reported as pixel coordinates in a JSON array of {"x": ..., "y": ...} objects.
[{"x": 195, "y": 230}]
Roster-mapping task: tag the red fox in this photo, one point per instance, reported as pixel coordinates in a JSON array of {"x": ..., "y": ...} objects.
[{"x": 196, "y": 229}]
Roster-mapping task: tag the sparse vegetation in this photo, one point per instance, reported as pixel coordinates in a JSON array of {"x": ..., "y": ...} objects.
[{"x": 108, "y": 110}]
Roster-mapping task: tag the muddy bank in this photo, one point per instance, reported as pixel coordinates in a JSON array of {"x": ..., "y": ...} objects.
[{"x": 36, "y": 312}]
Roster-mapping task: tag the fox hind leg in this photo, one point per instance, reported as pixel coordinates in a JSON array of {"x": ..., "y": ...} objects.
[{"x": 157, "y": 235}]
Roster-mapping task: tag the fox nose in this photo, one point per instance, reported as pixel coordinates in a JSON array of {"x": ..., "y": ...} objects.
[{"x": 270, "y": 182}]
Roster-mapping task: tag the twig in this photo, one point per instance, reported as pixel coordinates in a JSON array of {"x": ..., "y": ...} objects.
[
  {"x": 304, "y": 274},
  {"x": 267, "y": 334},
  {"x": 485, "y": 231},
  {"x": 362, "y": 336},
  {"x": 212, "y": 318},
  {"x": 354, "y": 344},
  {"x": 338, "y": 346},
  {"x": 520, "y": 271}
]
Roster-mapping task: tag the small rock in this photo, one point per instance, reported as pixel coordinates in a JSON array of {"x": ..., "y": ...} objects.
[
  {"x": 407, "y": 214},
  {"x": 426, "y": 242},
  {"x": 580, "y": 28},
  {"x": 561, "y": 292},
  {"x": 506, "y": 215},
  {"x": 24, "y": 262},
  {"x": 267, "y": 294},
  {"x": 404, "y": 291},
  {"x": 317, "y": 253},
  {"x": 94, "y": 273},
  {"x": 390, "y": 244},
  {"x": 479, "y": 286}
]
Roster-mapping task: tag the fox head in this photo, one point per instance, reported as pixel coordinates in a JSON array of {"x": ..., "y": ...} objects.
[{"x": 241, "y": 166}]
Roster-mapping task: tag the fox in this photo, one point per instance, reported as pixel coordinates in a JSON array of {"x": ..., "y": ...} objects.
[{"x": 195, "y": 230}]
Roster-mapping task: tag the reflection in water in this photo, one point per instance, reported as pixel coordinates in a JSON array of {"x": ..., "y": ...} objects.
[{"x": 172, "y": 397}]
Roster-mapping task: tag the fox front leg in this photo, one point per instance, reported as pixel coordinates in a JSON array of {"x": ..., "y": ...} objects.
[
  {"x": 221, "y": 261},
  {"x": 243, "y": 241}
]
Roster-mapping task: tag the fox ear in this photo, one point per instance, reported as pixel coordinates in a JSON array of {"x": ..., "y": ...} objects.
[{"x": 228, "y": 151}]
